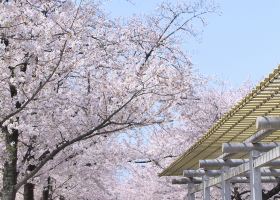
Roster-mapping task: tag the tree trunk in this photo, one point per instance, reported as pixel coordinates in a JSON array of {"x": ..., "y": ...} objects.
[
  {"x": 28, "y": 191},
  {"x": 10, "y": 165},
  {"x": 271, "y": 192},
  {"x": 47, "y": 191},
  {"x": 45, "y": 194}
]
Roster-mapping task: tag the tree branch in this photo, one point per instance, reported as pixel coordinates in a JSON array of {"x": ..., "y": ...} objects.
[
  {"x": 84, "y": 136},
  {"x": 41, "y": 86}
]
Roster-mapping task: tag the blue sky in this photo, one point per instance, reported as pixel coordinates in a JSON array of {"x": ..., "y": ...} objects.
[{"x": 241, "y": 43}]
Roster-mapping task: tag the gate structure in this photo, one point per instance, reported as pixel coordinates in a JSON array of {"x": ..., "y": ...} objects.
[{"x": 242, "y": 147}]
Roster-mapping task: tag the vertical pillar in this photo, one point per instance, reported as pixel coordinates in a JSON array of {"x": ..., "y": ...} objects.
[
  {"x": 226, "y": 190},
  {"x": 206, "y": 189},
  {"x": 191, "y": 195},
  {"x": 255, "y": 178}
]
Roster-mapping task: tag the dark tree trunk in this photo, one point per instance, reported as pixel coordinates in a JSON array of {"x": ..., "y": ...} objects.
[
  {"x": 47, "y": 191},
  {"x": 45, "y": 194},
  {"x": 265, "y": 195},
  {"x": 28, "y": 191},
  {"x": 236, "y": 195},
  {"x": 10, "y": 165},
  {"x": 271, "y": 192},
  {"x": 11, "y": 141}
]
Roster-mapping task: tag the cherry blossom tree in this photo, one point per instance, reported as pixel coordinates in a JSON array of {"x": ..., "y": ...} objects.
[
  {"x": 70, "y": 76},
  {"x": 134, "y": 176},
  {"x": 168, "y": 143}
]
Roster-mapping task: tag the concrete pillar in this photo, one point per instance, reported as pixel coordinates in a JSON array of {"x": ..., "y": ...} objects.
[
  {"x": 255, "y": 178},
  {"x": 190, "y": 196},
  {"x": 206, "y": 189},
  {"x": 226, "y": 190}
]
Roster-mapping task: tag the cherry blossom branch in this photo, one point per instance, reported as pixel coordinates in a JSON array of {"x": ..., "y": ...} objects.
[
  {"x": 271, "y": 192},
  {"x": 154, "y": 161},
  {"x": 11, "y": 26},
  {"x": 41, "y": 86},
  {"x": 86, "y": 135}
]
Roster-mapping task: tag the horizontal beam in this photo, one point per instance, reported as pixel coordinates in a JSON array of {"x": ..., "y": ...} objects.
[
  {"x": 241, "y": 169},
  {"x": 268, "y": 122},
  {"x": 265, "y": 171},
  {"x": 194, "y": 172},
  {"x": 273, "y": 163},
  {"x": 258, "y": 136},
  {"x": 246, "y": 147},
  {"x": 221, "y": 162},
  {"x": 201, "y": 172},
  {"x": 266, "y": 125},
  {"x": 270, "y": 172},
  {"x": 267, "y": 157},
  {"x": 217, "y": 163},
  {"x": 186, "y": 181},
  {"x": 265, "y": 179}
]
